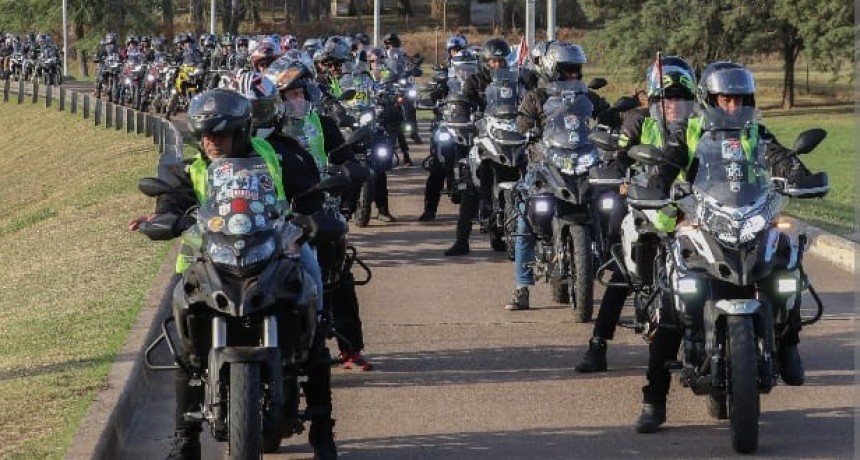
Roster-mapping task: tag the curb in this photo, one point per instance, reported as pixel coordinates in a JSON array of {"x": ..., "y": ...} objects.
[
  {"x": 834, "y": 249},
  {"x": 110, "y": 414}
]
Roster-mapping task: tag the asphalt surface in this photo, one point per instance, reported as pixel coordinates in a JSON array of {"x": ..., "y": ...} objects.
[{"x": 457, "y": 376}]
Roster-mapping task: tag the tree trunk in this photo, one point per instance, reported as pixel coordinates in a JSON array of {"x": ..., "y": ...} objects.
[
  {"x": 791, "y": 46},
  {"x": 405, "y": 8},
  {"x": 467, "y": 12},
  {"x": 303, "y": 10},
  {"x": 197, "y": 16},
  {"x": 237, "y": 12},
  {"x": 255, "y": 14},
  {"x": 78, "y": 34},
  {"x": 167, "y": 18}
]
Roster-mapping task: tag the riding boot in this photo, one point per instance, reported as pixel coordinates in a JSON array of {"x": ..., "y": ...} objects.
[
  {"x": 431, "y": 203},
  {"x": 653, "y": 415},
  {"x": 595, "y": 357},
  {"x": 321, "y": 438},
  {"x": 468, "y": 209}
]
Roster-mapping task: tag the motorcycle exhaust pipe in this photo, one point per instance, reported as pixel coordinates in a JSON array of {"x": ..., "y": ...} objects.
[{"x": 219, "y": 332}]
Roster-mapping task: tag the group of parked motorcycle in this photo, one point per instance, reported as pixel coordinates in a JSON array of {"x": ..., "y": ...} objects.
[{"x": 36, "y": 65}]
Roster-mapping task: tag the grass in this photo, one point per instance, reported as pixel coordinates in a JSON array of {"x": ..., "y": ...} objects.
[
  {"x": 74, "y": 277},
  {"x": 836, "y": 155}
]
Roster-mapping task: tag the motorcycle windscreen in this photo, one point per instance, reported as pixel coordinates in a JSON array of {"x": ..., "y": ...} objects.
[
  {"x": 240, "y": 197},
  {"x": 567, "y": 111},
  {"x": 362, "y": 83},
  {"x": 458, "y": 73},
  {"x": 502, "y": 94},
  {"x": 727, "y": 172}
]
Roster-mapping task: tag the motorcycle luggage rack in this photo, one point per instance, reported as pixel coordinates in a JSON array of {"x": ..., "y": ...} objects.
[
  {"x": 165, "y": 337},
  {"x": 353, "y": 258}
]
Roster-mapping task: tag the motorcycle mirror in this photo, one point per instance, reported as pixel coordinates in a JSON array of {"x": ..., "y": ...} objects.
[
  {"x": 153, "y": 187},
  {"x": 808, "y": 140},
  {"x": 625, "y": 103},
  {"x": 334, "y": 184},
  {"x": 604, "y": 140},
  {"x": 647, "y": 155},
  {"x": 346, "y": 95},
  {"x": 597, "y": 83}
]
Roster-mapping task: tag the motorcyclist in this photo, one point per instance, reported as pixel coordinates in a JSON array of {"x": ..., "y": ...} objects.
[
  {"x": 222, "y": 120},
  {"x": 460, "y": 62},
  {"x": 131, "y": 51},
  {"x": 378, "y": 65},
  {"x": 264, "y": 55},
  {"x": 398, "y": 62},
  {"x": 320, "y": 135},
  {"x": 188, "y": 53},
  {"x": 239, "y": 59},
  {"x": 562, "y": 61},
  {"x": 106, "y": 48},
  {"x": 492, "y": 57},
  {"x": 727, "y": 86},
  {"x": 676, "y": 93}
]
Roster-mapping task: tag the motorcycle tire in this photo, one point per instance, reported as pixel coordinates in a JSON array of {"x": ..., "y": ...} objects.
[
  {"x": 743, "y": 398},
  {"x": 581, "y": 284},
  {"x": 246, "y": 437},
  {"x": 172, "y": 104},
  {"x": 365, "y": 202}
]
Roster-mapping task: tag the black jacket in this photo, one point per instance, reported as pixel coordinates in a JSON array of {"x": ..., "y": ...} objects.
[{"x": 531, "y": 108}]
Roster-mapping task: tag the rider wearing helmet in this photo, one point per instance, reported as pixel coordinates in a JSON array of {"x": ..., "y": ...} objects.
[
  {"x": 222, "y": 120},
  {"x": 729, "y": 88},
  {"x": 493, "y": 56},
  {"x": 146, "y": 51},
  {"x": 561, "y": 62},
  {"x": 320, "y": 135},
  {"x": 264, "y": 55}
]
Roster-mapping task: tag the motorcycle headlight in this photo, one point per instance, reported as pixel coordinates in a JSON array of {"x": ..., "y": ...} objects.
[
  {"x": 381, "y": 151},
  {"x": 686, "y": 286},
  {"x": 542, "y": 206},
  {"x": 412, "y": 94},
  {"x": 150, "y": 78},
  {"x": 366, "y": 118},
  {"x": 402, "y": 82},
  {"x": 260, "y": 252},
  {"x": 222, "y": 255},
  {"x": 407, "y": 128},
  {"x": 444, "y": 136},
  {"x": 786, "y": 285},
  {"x": 607, "y": 204},
  {"x": 127, "y": 81},
  {"x": 751, "y": 227}
]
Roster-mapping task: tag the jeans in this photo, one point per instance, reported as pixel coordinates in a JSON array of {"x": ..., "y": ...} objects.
[
  {"x": 524, "y": 251},
  {"x": 308, "y": 257}
]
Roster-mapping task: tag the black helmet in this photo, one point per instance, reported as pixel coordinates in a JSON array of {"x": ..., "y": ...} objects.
[
  {"x": 679, "y": 79},
  {"x": 391, "y": 39},
  {"x": 131, "y": 39},
  {"x": 179, "y": 39},
  {"x": 726, "y": 78},
  {"x": 221, "y": 111},
  {"x": 494, "y": 48},
  {"x": 335, "y": 49},
  {"x": 362, "y": 38}
]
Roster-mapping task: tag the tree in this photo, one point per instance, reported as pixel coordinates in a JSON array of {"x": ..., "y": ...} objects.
[{"x": 822, "y": 29}]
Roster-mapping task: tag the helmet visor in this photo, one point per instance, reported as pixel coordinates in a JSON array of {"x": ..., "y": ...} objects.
[{"x": 730, "y": 81}]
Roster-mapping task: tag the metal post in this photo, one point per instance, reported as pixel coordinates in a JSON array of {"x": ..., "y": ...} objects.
[
  {"x": 86, "y": 106},
  {"x": 62, "y": 99},
  {"x": 21, "y": 91},
  {"x": 6, "y": 85},
  {"x": 129, "y": 120},
  {"x": 377, "y": 21},
  {"x": 550, "y": 19},
  {"x": 35, "y": 91},
  {"x": 118, "y": 116},
  {"x": 65, "y": 38},
  {"x": 212, "y": 19},
  {"x": 108, "y": 113},
  {"x": 530, "y": 23},
  {"x": 49, "y": 94},
  {"x": 74, "y": 108}
]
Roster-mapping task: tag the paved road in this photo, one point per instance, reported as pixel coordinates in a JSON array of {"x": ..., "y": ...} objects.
[{"x": 457, "y": 376}]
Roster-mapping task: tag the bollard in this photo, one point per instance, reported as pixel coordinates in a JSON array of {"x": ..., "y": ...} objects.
[
  {"x": 35, "y": 91},
  {"x": 74, "y": 107},
  {"x": 87, "y": 105},
  {"x": 117, "y": 119},
  {"x": 108, "y": 113},
  {"x": 20, "y": 91},
  {"x": 156, "y": 132},
  {"x": 147, "y": 127},
  {"x": 49, "y": 93},
  {"x": 7, "y": 84},
  {"x": 139, "y": 122},
  {"x": 62, "y": 100},
  {"x": 129, "y": 120}
]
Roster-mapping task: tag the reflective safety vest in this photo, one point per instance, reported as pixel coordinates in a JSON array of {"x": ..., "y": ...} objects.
[
  {"x": 310, "y": 136},
  {"x": 198, "y": 171}
]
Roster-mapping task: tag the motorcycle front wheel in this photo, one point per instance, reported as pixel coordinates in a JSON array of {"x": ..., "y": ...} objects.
[
  {"x": 581, "y": 269},
  {"x": 246, "y": 422},
  {"x": 365, "y": 201},
  {"x": 743, "y": 398}
]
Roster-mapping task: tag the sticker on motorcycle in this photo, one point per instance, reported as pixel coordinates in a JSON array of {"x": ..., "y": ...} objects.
[
  {"x": 239, "y": 224},
  {"x": 239, "y": 206},
  {"x": 257, "y": 207},
  {"x": 571, "y": 122},
  {"x": 215, "y": 224},
  {"x": 266, "y": 182},
  {"x": 260, "y": 220},
  {"x": 222, "y": 174},
  {"x": 224, "y": 209},
  {"x": 506, "y": 93},
  {"x": 732, "y": 149}
]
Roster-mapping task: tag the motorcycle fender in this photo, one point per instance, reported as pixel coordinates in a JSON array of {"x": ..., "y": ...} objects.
[
  {"x": 762, "y": 317},
  {"x": 269, "y": 357}
]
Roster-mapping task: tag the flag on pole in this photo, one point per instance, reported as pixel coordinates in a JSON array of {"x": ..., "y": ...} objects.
[{"x": 523, "y": 51}]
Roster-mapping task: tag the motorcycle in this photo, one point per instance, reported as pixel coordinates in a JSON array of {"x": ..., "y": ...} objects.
[
  {"x": 189, "y": 82},
  {"x": 498, "y": 157},
  {"x": 48, "y": 67},
  {"x": 728, "y": 277},
  {"x": 247, "y": 289},
  {"x": 133, "y": 83},
  {"x": 16, "y": 66},
  {"x": 28, "y": 65}
]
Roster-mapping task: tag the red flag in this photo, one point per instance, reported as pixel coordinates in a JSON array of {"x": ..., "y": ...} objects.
[{"x": 523, "y": 51}]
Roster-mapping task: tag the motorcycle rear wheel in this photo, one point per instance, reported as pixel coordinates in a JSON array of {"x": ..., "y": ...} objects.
[
  {"x": 581, "y": 269},
  {"x": 246, "y": 424},
  {"x": 743, "y": 399}
]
